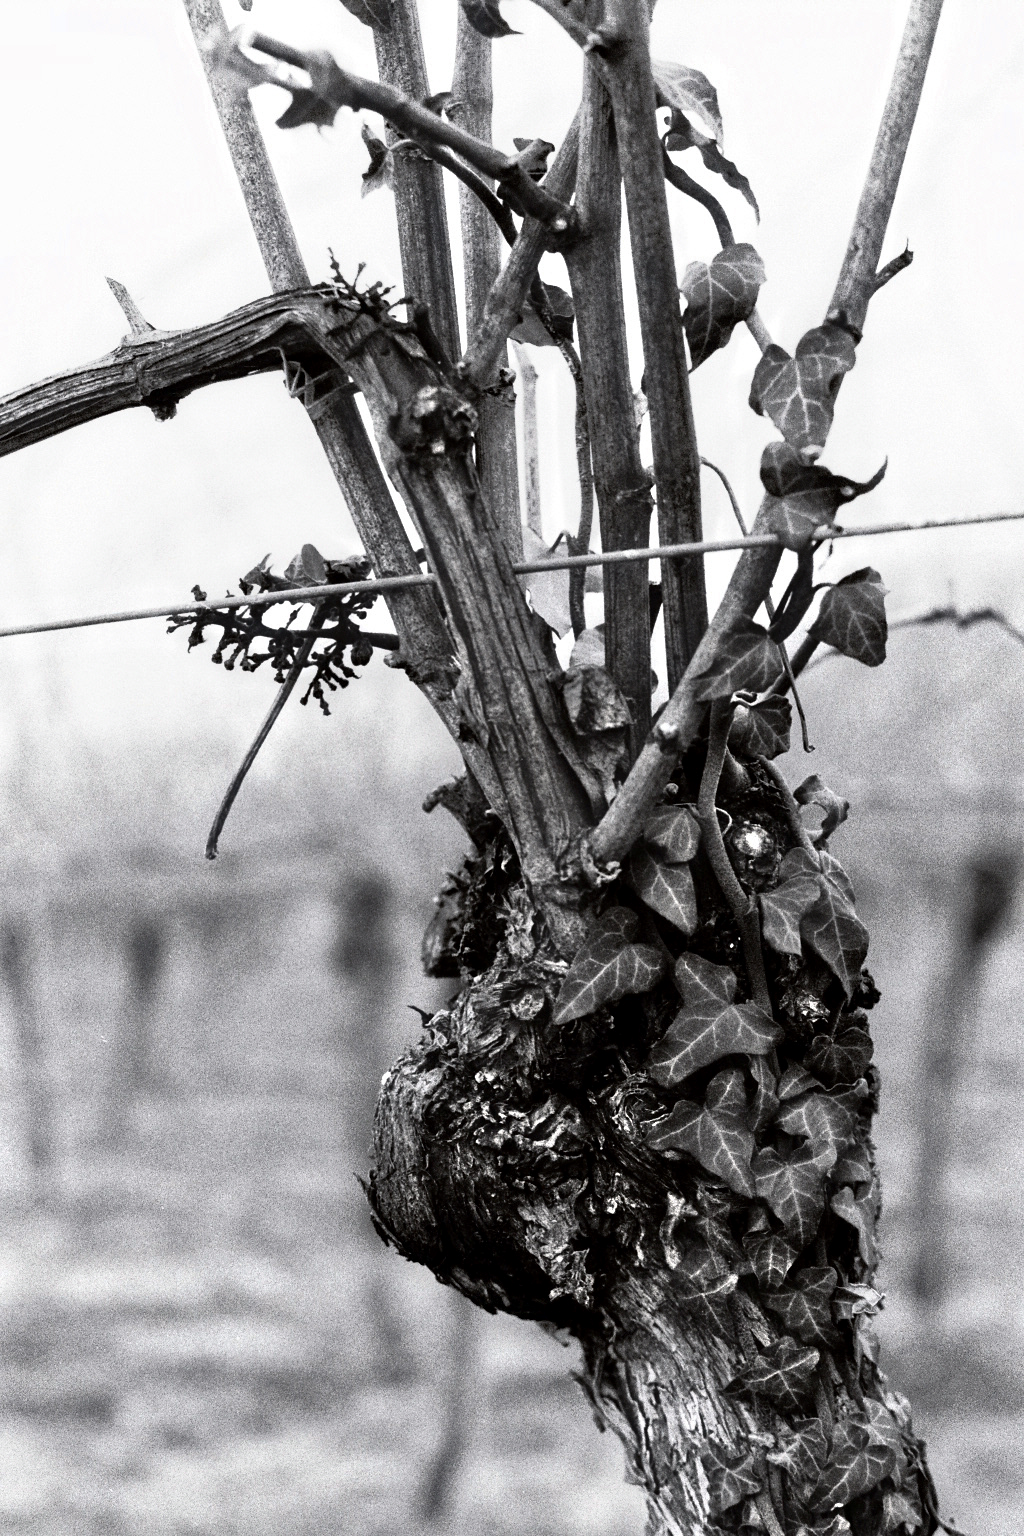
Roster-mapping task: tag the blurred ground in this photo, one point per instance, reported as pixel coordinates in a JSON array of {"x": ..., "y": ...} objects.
[{"x": 199, "y": 1334}]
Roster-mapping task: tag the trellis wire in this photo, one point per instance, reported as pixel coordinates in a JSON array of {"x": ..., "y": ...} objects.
[{"x": 523, "y": 568}]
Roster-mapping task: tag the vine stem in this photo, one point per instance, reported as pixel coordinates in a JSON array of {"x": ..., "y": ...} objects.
[
  {"x": 752, "y": 579},
  {"x": 283, "y": 695},
  {"x": 742, "y": 906},
  {"x": 792, "y": 810}
]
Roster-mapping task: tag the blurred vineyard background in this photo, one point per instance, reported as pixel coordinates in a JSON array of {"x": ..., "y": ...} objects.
[{"x": 199, "y": 1332}]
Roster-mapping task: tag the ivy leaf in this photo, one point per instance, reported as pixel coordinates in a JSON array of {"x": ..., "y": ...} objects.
[
  {"x": 834, "y": 871},
  {"x": 730, "y": 1478},
  {"x": 795, "y": 1081},
  {"x": 854, "y": 1167},
  {"x": 783, "y": 910},
  {"x": 683, "y": 135},
  {"x": 799, "y": 392},
  {"x": 855, "y": 1467},
  {"x": 834, "y": 931},
  {"x": 814, "y": 791},
  {"x": 852, "y": 617},
  {"x": 762, "y": 730},
  {"x": 794, "y": 1188},
  {"x": 746, "y": 658},
  {"x": 607, "y": 966},
  {"x": 766, "y": 1100},
  {"x": 806, "y": 1309},
  {"x": 771, "y": 1256},
  {"x": 804, "y": 1454},
  {"x": 783, "y": 1373},
  {"x": 901, "y": 1509},
  {"x": 672, "y": 834},
  {"x": 850, "y": 1301},
  {"x": 372, "y": 13},
  {"x": 485, "y": 17},
  {"x": 666, "y": 888},
  {"x": 842, "y": 1057},
  {"x": 717, "y": 1136},
  {"x": 687, "y": 91},
  {"x": 861, "y": 1212},
  {"x": 827, "y": 1122},
  {"x": 803, "y": 497},
  {"x": 719, "y": 297},
  {"x": 709, "y": 1025},
  {"x": 883, "y": 1428}
]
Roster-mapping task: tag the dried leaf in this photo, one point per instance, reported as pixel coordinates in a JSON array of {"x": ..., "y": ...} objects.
[
  {"x": 783, "y": 1374},
  {"x": 762, "y": 729},
  {"x": 794, "y": 1188},
  {"x": 688, "y": 91},
  {"x": 783, "y": 910},
  {"x": 861, "y": 1211},
  {"x": 607, "y": 966},
  {"x": 842, "y": 1057},
  {"x": 717, "y": 1136},
  {"x": 378, "y": 173},
  {"x": 531, "y": 327},
  {"x": 308, "y": 568},
  {"x": 798, "y": 392},
  {"x": 372, "y": 13},
  {"x": 803, "y": 497},
  {"x": 746, "y": 658},
  {"x": 485, "y": 17},
  {"x": 771, "y": 1256},
  {"x": 672, "y": 834},
  {"x": 856, "y": 1465},
  {"x": 852, "y": 617},
  {"x": 814, "y": 791},
  {"x": 666, "y": 888},
  {"x": 683, "y": 135},
  {"x": 719, "y": 297},
  {"x": 709, "y": 1025},
  {"x": 594, "y": 701},
  {"x": 805, "y": 1309},
  {"x": 549, "y": 590},
  {"x": 731, "y": 1478}
]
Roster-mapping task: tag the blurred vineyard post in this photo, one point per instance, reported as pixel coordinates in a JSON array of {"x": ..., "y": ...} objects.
[
  {"x": 144, "y": 952},
  {"x": 17, "y": 963},
  {"x": 984, "y": 900}
]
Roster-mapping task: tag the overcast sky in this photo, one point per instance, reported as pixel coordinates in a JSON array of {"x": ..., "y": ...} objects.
[{"x": 115, "y": 167}]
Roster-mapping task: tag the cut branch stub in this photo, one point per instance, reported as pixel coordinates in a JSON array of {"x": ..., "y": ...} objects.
[
  {"x": 799, "y": 392},
  {"x": 804, "y": 497},
  {"x": 709, "y": 1025},
  {"x": 852, "y": 617},
  {"x": 719, "y": 297}
]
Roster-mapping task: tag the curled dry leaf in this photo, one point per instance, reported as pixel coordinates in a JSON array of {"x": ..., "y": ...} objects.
[
  {"x": 852, "y": 617},
  {"x": 485, "y": 17},
  {"x": 683, "y": 135},
  {"x": 709, "y": 1025},
  {"x": 804, "y": 497},
  {"x": 608, "y": 966},
  {"x": 746, "y": 658},
  {"x": 689, "y": 92},
  {"x": 378, "y": 172},
  {"x": 798, "y": 393},
  {"x": 719, "y": 297},
  {"x": 850, "y": 1301},
  {"x": 561, "y": 314}
]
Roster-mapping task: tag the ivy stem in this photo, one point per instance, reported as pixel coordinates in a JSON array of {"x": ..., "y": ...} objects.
[
  {"x": 743, "y": 907},
  {"x": 792, "y": 810}
]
